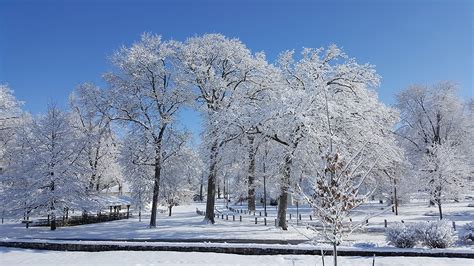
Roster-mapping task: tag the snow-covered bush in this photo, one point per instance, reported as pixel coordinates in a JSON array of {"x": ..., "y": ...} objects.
[
  {"x": 467, "y": 233},
  {"x": 402, "y": 236},
  {"x": 436, "y": 234}
]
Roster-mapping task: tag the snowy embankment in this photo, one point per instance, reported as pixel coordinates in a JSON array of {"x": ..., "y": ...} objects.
[
  {"x": 229, "y": 248},
  {"x": 12, "y": 256}
]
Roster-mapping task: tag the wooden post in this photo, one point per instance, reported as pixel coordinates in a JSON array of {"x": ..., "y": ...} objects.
[
  {"x": 385, "y": 223},
  {"x": 265, "y": 221},
  {"x": 255, "y": 220},
  {"x": 454, "y": 226}
]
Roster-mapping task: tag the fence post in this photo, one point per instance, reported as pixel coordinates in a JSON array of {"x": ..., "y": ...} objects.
[
  {"x": 255, "y": 220},
  {"x": 385, "y": 223}
]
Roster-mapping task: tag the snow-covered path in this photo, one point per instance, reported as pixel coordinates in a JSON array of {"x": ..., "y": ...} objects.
[{"x": 12, "y": 256}]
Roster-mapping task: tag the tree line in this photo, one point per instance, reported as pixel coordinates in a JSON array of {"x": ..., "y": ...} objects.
[{"x": 310, "y": 125}]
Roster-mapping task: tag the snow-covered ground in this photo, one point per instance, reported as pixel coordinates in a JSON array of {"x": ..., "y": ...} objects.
[
  {"x": 186, "y": 224},
  {"x": 12, "y": 256}
]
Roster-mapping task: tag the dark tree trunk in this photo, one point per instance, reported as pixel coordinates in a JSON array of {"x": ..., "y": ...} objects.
[
  {"x": 283, "y": 200},
  {"x": 334, "y": 255},
  {"x": 200, "y": 189},
  {"x": 440, "y": 210},
  {"x": 395, "y": 195},
  {"x": 170, "y": 207},
  {"x": 53, "y": 221},
  {"x": 53, "y": 208},
  {"x": 156, "y": 185},
  {"x": 92, "y": 182},
  {"x": 211, "y": 184},
  {"x": 251, "y": 175}
]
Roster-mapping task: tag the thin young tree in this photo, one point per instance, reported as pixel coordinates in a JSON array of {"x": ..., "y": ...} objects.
[{"x": 434, "y": 121}]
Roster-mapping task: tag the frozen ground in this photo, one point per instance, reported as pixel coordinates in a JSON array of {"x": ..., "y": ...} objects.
[
  {"x": 186, "y": 224},
  {"x": 11, "y": 256}
]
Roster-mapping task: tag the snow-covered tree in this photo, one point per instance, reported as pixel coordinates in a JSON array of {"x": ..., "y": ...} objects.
[
  {"x": 181, "y": 173},
  {"x": 45, "y": 174},
  {"x": 146, "y": 92},
  {"x": 10, "y": 117},
  {"x": 220, "y": 70},
  {"x": 135, "y": 156},
  {"x": 335, "y": 134},
  {"x": 323, "y": 94},
  {"x": 92, "y": 123},
  {"x": 434, "y": 131}
]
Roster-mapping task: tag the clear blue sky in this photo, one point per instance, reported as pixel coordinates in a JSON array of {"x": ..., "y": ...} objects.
[{"x": 49, "y": 47}]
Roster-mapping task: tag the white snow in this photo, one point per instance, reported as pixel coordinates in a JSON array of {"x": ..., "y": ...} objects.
[{"x": 12, "y": 256}]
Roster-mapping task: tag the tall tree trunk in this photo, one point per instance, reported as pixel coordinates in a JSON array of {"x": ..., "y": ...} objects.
[
  {"x": 440, "y": 210},
  {"x": 334, "y": 255},
  {"x": 395, "y": 195},
  {"x": 251, "y": 175},
  {"x": 200, "y": 188},
  {"x": 438, "y": 201},
  {"x": 92, "y": 182},
  {"x": 53, "y": 208},
  {"x": 156, "y": 186},
  {"x": 211, "y": 184},
  {"x": 285, "y": 186}
]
